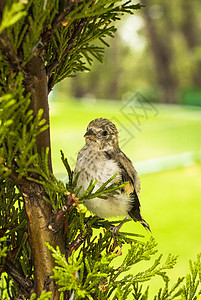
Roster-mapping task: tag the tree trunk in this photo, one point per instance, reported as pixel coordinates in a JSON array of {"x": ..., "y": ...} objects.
[
  {"x": 37, "y": 209},
  {"x": 192, "y": 37},
  {"x": 36, "y": 83},
  {"x": 162, "y": 55},
  {"x": 113, "y": 87}
]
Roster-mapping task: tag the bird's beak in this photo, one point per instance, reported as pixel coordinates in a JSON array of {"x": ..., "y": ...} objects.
[{"x": 90, "y": 135}]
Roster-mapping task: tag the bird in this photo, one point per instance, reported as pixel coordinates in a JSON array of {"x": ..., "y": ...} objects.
[{"x": 100, "y": 159}]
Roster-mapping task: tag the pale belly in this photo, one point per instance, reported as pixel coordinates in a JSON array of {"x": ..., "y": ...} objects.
[{"x": 95, "y": 165}]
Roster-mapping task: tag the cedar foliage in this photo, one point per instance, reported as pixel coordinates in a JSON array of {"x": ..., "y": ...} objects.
[{"x": 49, "y": 248}]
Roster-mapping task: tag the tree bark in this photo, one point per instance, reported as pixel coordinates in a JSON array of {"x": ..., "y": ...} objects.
[
  {"x": 162, "y": 55},
  {"x": 38, "y": 214},
  {"x": 36, "y": 83},
  {"x": 37, "y": 209}
]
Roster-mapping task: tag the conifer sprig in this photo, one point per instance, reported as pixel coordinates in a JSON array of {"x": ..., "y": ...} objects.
[
  {"x": 104, "y": 281},
  {"x": 18, "y": 131},
  {"x": 62, "y": 33}
]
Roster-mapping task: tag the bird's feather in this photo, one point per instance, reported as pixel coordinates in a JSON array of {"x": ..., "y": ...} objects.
[{"x": 128, "y": 172}]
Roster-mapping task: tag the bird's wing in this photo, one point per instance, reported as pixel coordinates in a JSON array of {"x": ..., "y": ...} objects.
[{"x": 128, "y": 173}]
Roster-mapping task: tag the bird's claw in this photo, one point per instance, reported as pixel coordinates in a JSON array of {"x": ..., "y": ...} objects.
[{"x": 115, "y": 231}]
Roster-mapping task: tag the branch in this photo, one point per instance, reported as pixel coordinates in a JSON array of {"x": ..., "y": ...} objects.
[
  {"x": 46, "y": 36},
  {"x": 2, "y": 4},
  {"x": 57, "y": 219},
  {"x": 77, "y": 30},
  {"x": 8, "y": 51},
  {"x": 26, "y": 285},
  {"x": 75, "y": 244},
  {"x": 19, "y": 181}
]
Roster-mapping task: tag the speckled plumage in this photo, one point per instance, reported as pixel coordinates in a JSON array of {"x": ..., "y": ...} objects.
[{"x": 100, "y": 159}]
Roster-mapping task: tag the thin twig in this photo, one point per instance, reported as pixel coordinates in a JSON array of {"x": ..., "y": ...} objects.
[
  {"x": 75, "y": 244},
  {"x": 57, "y": 219}
]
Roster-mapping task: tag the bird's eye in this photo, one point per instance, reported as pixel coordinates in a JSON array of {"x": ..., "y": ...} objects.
[{"x": 104, "y": 133}]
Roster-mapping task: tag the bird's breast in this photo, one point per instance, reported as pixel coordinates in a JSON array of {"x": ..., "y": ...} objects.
[{"x": 94, "y": 164}]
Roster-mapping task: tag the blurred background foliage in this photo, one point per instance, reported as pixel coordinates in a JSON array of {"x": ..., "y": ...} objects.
[{"x": 157, "y": 51}]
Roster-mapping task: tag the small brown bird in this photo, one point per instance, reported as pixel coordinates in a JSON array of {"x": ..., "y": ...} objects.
[{"x": 100, "y": 159}]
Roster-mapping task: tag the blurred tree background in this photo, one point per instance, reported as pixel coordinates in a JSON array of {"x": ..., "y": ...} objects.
[{"x": 156, "y": 51}]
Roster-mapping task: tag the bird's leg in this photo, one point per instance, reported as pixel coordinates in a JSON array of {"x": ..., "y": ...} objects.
[{"x": 116, "y": 229}]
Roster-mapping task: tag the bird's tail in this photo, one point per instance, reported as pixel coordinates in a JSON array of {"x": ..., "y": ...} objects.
[
  {"x": 145, "y": 224},
  {"x": 135, "y": 213},
  {"x": 137, "y": 217}
]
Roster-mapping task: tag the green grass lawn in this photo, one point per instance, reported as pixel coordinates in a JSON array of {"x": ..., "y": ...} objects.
[
  {"x": 174, "y": 130},
  {"x": 170, "y": 199}
]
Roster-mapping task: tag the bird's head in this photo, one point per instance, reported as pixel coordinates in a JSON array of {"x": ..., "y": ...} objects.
[{"x": 102, "y": 133}]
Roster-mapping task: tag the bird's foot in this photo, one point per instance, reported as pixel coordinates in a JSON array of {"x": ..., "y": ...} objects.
[{"x": 115, "y": 231}]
